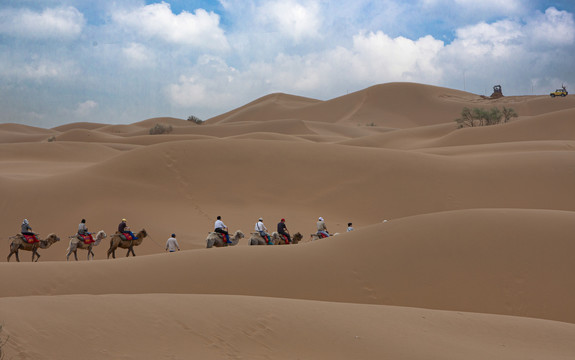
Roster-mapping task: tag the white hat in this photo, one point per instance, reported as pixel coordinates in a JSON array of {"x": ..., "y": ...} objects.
[
  {"x": 320, "y": 218},
  {"x": 261, "y": 219}
]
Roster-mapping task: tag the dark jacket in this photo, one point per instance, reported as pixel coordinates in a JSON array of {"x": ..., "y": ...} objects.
[{"x": 282, "y": 227}]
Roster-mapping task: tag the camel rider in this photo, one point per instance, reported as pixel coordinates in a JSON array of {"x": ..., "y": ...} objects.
[
  {"x": 82, "y": 230},
  {"x": 26, "y": 229},
  {"x": 263, "y": 231},
  {"x": 282, "y": 229},
  {"x": 221, "y": 228},
  {"x": 123, "y": 228},
  {"x": 321, "y": 228}
]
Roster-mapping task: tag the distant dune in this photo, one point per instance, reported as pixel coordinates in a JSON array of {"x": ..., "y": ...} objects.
[{"x": 474, "y": 262}]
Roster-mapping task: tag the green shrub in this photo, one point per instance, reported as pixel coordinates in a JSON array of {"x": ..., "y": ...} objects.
[{"x": 481, "y": 117}]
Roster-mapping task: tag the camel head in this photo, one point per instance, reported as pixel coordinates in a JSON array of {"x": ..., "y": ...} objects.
[
  {"x": 142, "y": 233},
  {"x": 239, "y": 235},
  {"x": 52, "y": 238},
  {"x": 101, "y": 234},
  {"x": 297, "y": 237}
]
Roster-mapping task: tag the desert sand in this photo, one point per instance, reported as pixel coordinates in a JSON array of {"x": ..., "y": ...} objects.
[{"x": 475, "y": 260}]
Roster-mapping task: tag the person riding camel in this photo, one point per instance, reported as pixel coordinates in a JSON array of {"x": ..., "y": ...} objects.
[
  {"x": 321, "y": 228},
  {"x": 263, "y": 231},
  {"x": 26, "y": 229},
  {"x": 282, "y": 230},
  {"x": 83, "y": 230},
  {"x": 221, "y": 228},
  {"x": 123, "y": 228}
]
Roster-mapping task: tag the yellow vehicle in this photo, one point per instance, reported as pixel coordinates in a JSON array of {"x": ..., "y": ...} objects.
[{"x": 559, "y": 92}]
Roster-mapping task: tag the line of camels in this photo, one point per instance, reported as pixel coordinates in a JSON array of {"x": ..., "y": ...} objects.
[{"x": 214, "y": 239}]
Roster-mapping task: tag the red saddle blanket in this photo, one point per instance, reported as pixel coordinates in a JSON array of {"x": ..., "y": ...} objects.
[
  {"x": 30, "y": 239},
  {"x": 285, "y": 238},
  {"x": 88, "y": 239},
  {"x": 127, "y": 236}
]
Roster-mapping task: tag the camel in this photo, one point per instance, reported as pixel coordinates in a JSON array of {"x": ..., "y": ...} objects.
[
  {"x": 294, "y": 239},
  {"x": 257, "y": 239},
  {"x": 76, "y": 244},
  {"x": 117, "y": 242},
  {"x": 214, "y": 239},
  {"x": 18, "y": 243},
  {"x": 317, "y": 237}
]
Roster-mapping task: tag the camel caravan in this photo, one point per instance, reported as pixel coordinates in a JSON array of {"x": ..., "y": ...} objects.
[
  {"x": 221, "y": 238},
  {"x": 124, "y": 238}
]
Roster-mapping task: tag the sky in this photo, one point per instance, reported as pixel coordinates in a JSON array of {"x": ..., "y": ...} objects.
[{"x": 119, "y": 62}]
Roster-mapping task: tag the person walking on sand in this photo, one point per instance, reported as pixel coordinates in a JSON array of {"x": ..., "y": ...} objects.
[
  {"x": 321, "y": 228},
  {"x": 221, "y": 228},
  {"x": 172, "y": 244},
  {"x": 282, "y": 230},
  {"x": 349, "y": 227}
]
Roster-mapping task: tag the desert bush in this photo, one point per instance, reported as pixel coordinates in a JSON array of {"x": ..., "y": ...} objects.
[
  {"x": 161, "y": 129},
  {"x": 481, "y": 117},
  {"x": 195, "y": 120},
  {"x": 508, "y": 113},
  {"x": 51, "y": 139}
]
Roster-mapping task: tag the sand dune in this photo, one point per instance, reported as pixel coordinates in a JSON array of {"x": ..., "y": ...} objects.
[
  {"x": 474, "y": 263},
  {"x": 219, "y": 327}
]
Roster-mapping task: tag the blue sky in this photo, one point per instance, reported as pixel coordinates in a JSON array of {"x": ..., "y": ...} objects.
[{"x": 65, "y": 61}]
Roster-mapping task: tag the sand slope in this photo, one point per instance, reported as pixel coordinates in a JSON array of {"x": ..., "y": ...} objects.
[{"x": 474, "y": 263}]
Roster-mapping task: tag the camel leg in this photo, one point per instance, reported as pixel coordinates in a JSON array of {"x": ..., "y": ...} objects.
[
  {"x": 112, "y": 251},
  {"x": 131, "y": 250},
  {"x": 10, "y": 255},
  {"x": 90, "y": 252},
  {"x": 35, "y": 252}
]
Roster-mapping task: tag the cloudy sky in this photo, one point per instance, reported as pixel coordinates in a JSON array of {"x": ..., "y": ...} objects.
[{"x": 120, "y": 62}]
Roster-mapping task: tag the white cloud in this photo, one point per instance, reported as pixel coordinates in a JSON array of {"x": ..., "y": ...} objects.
[
  {"x": 200, "y": 29},
  {"x": 37, "y": 69},
  {"x": 489, "y": 40},
  {"x": 56, "y": 23},
  {"x": 187, "y": 92},
  {"x": 138, "y": 56},
  {"x": 291, "y": 18},
  {"x": 553, "y": 28},
  {"x": 384, "y": 58},
  {"x": 85, "y": 108}
]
